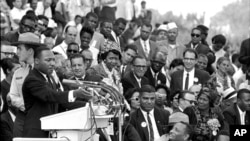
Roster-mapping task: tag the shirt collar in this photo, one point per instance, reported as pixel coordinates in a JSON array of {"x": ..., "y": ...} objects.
[
  {"x": 142, "y": 41},
  {"x": 145, "y": 113},
  {"x": 81, "y": 77},
  {"x": 137, "y": 79},
  {"x": 153, "y": 73},
  {"x": 240, "y": 111},
  {"x": 191, "y": 72}
]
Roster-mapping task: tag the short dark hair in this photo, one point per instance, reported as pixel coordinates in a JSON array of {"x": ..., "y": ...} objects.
[
  {"x": 28, "y": 17},
  {"x": 162, "y": 86},
  {"x": 196, "y": 28},
  {"x": 43, "y": 17},
  {"x": 73, "y": 43},
  {"x": 137, "y": 57},
  {"x": 241, "y": 92},
  {"x": 132, "y": 47},
  {"x": 8, "y": 64},
  {"x": 78, "y": 55},
  {"x": 235, "y": 57},
  {"x": 203, "y": 28},
  {"x": 78, "y": 16},
  {"x": 39, "y": 50},
  {"x": 219, "y": 39},
  {"x": 91, "y": 14},
  {"x": 67, "y": 28},
  {"x": 87, "y": 30},
  {"x": 120, "y": 20},
  {"x": 105, "y": 21},
  {"x": 183, "y": 93},
  {"x": 146, "y": 88},
  {"x": 192, "y": 51},
  {"x": 116, "y": 52},
  {"x": 147, "y": 25},
  {"x": 176, "y": 62}
]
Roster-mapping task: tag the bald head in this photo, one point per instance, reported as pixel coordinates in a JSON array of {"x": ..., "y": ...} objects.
[{"x": 70, "y": 34}]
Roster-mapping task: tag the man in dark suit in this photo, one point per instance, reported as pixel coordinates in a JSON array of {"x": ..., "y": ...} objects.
[
  {"x": 196, "y": 44},
  {"x": 154, "y": 74},
  {"x": 135, "y": 78},
  {"x": 7, "y": 121},
  {"x": 239, "y": 112},
  {"x": 184, "y": 79},
  {"x": 41, "y": 96},
  {"x": 145, "y": 46},
  {"x": 128, "y": 55},
  {"x": 149, "y": 121}
]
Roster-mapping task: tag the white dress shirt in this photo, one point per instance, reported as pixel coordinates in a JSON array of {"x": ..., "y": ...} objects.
[
  {"x": 40, "y": 10},
  {"x": 138, "y": 80},
  {"x": 242, "y": 116},
  {"x": 191, "y": 78},
  {"x": 155, "y": 129},
  {"x": 62, "y": 49},
  {"x": 16, "y": 14}
]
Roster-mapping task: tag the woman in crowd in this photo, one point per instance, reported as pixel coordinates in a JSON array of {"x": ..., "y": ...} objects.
[
  {"x": 163, "y": 97},
  {"x": 224, "y": 77},
  {"x": 9, "y": 66},
  {"x": 132, "y": 96},
  {"x": 202, "y": 114},
  {"x": 107, "y": 69}
]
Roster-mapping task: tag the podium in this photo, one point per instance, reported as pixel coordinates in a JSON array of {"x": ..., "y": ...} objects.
[{"x": 75, "y": 125}]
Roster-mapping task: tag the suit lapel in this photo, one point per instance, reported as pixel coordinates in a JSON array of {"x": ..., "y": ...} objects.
[
  {"x": 237, "y": 114},
  {"x": 133, "y": 80},
  {"x": 141, "y": 121}
]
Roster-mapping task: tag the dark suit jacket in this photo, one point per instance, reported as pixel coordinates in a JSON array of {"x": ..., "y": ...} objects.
[
  {"x": 5, "y": 88},
  {"x": 40, "y": 100},
  {"x": 140, "y": 48},
  {"x": 59, "y": 40},
  {"x": 12, "y": 36},
  {"x": 232, "y": 115},
  {"x": 245, "y": 48},
  {"x": 177, "y": 79},
  {"x": 161, "y": 78},
  {"x": 6, "y": 127},
  {"x": 161, "y": 119},
  {"x": 200, "y": 49},
  {"x": 129, "y": 81}
]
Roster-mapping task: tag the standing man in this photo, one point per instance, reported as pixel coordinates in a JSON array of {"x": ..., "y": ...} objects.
[
  {"x": 40, "y": 94},
  {"x": 239, "y": 112},
  {"x": 118, "y": 28},
  {"x": 145, "y": 47},
  {"x": 204, "y": 33},
  {"x": 149, "y": 121},
  {"x": 70, "y": 36},
  {"x": 184, "y": 79},
  {"x": 27, "y": 43},
  {"x": 153, "y": 73}
]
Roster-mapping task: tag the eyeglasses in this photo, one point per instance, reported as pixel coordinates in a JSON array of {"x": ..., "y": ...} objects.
[
  {"x": 139, "y": 66},
  {"x": 88, "y": 60},
  {"x": 135, "y": 98},
  {"x": 189, "y": 59},
  {"x": 195, "y": 35},
  {"x": 72, "y": 51},
  {"x": 190, "y": 101}
]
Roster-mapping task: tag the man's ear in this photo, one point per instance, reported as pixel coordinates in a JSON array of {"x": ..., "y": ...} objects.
[{"x": 36, "y": 61}]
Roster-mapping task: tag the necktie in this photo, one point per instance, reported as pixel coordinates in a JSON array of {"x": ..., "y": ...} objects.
[
  {"x": 151, "y": 131},
  {"x": 155, "y": 77},
  {"x": 51, "y": 82},
  {"x": 145, "y": 49},
  {"x": 186, "y": 81}
]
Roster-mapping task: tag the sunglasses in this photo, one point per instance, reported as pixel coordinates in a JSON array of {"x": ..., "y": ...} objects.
[
  {"x": 190, "y": 101},
  {"x": 72, "y": 51},
  {"x": 135, "y": 98},
  {"x": 195, "y": 35},
  {"x": 29, "y": 27}
]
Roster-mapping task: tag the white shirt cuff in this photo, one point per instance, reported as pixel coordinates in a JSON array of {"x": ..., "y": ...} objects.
[{"x": 71, "y": 97}]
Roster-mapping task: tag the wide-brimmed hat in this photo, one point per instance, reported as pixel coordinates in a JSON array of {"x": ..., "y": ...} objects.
[
  {"x": 108, "y": 46},
  {"x": 28, "y": 38},
  {"x": 178, "y": 117}
]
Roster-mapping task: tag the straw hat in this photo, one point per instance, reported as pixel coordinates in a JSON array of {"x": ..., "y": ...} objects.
[{"x": 28, "y": 38}]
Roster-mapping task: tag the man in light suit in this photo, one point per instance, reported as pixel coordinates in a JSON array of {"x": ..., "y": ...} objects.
[
  {"x": 145, "y": 46},
  {"x": 149, "y": 121},
  {"x": 239, "y": 112},
  {"x": 184, "y": 79}
]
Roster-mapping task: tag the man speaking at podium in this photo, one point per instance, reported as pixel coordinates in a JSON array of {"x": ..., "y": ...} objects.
[{"x": 40, "y": 93}]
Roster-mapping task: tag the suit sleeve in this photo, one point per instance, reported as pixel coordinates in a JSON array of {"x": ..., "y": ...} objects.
[
  {"x": 41, "y": 91},
  {"x": 126, "y": 85},
  {"x": 229, "y": 117},
  {"x": 6, "y": 132}
]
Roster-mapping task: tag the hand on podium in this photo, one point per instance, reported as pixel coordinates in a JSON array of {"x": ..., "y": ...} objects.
[{"x": 82, "y": 94}]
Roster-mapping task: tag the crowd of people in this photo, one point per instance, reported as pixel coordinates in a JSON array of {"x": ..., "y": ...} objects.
[{"x": 175, "y": 91}]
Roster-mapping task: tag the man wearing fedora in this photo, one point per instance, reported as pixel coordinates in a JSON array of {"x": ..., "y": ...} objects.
[{"x": 27, "y": 43}]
